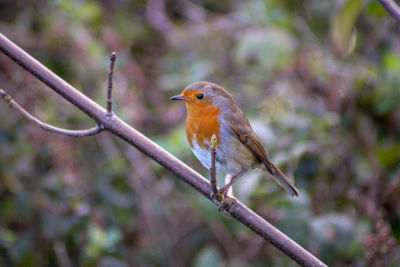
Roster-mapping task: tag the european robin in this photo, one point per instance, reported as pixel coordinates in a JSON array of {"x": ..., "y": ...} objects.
[{"x": 212, "y": 110}]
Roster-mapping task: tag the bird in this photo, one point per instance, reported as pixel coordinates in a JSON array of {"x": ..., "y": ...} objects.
[{"x": 212, "y": 110}]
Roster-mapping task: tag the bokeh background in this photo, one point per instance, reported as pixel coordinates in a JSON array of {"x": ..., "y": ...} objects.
[{"x": 319, "y": 81}]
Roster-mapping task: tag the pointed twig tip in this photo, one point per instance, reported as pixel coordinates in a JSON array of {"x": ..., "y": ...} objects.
[
  {"x": 113, "y": 56},
  {"x": 5, "y": 96}
]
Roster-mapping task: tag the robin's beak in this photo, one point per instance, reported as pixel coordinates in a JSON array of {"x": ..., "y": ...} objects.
[{"x": 177, "y": 97}]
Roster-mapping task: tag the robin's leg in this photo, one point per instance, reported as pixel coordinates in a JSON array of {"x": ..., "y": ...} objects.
[
  {"x": 228, "y": 179},
  {"x": 225, "y": 190}
]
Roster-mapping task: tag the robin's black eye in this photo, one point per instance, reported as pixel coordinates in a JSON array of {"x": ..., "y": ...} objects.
[{"x": 200, "y": 96}]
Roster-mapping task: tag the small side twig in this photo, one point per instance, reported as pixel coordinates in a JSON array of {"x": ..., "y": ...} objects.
[
  {"x": 213, "y": 179},
  {"x": 391, "y": 7},
  {"x": 113, "y": 57},
  {"x": 77, "y": 133}
]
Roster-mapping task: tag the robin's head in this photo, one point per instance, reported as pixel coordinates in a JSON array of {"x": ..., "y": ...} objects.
[{"x": 205, "y": 94}]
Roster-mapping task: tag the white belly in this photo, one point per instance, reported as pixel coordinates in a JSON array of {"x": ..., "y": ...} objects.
[
  {"x": 202, "y": 154},
  {"x": 223, "y": 163}
]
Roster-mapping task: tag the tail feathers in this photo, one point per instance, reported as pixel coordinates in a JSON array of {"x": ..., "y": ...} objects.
[{"x": 284, "y": 181}]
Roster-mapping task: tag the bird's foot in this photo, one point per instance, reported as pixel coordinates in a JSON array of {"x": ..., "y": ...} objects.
[
  {"x": 217, "y": 198},
  {"x": 225, "y": 202}
]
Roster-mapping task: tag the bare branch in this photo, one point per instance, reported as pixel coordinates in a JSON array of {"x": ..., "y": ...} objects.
[
  {"x": 119, "y": 128},
  {"x": 113, "y": 57},
  {"x": 391, "y": 7},
  {"x": 77, "y": 133}
]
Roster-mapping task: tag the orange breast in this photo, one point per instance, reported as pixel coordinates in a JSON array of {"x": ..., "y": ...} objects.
[{"x": 201, "y": 124}]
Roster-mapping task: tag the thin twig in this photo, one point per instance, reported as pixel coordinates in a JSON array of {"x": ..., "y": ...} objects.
[
  {"x": 391, "y": 7},
  {"x": 213, "y": 178},
  {"x": 77, "y": 133},
  {"x": 119, "y": 128},
  {"x": 113, "y": 57}
]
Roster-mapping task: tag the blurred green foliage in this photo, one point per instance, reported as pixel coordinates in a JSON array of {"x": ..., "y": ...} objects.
[{"x": 319, "y": 81}]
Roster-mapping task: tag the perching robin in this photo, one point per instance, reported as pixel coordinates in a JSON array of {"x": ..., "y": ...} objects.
[{"x": 212, "y": 110}]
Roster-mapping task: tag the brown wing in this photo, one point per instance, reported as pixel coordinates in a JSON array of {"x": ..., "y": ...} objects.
[
  {"x": 250, "y": 140},
  {"x": 240, "y": 125},
  {"x": 246, "y": 135}
]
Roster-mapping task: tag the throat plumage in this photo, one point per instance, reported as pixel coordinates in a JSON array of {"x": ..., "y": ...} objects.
[{"x": 201, "y": 124}]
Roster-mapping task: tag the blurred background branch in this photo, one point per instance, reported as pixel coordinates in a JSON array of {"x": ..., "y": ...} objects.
[
  {"x": 62, "y": 254},
  {"x": 392, "y": 7}
]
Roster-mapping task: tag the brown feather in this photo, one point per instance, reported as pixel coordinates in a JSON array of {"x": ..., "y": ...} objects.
[{"x": 251, "y": 141}]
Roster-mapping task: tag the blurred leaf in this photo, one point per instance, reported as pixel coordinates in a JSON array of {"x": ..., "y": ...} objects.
[
  {"x": 181, "y": 72},
  {"x": 101, "y": 239},
  {"x": 376, "y": 9},
  {"x": 297, "y": 210},
  {"x": 112, "y": 262},
  {"x": 391, "y": 64},
  {"x": 385, "y": 103},
  {"x": 342, "y": 27},
  {"x": 270, "y": 48},
  {"x": 209, "y": 257},
  {"x": 266, "y": 12},
  {"x": 388, "y": 155},
  {"x": 335, "y": 234},
  {"x": 7, "y": 236},
  {"x": 82, "y": 11}
]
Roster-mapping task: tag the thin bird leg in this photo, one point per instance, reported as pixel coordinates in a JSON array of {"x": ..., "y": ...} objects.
[
  {"x": 225, "y": 189},
  {"x": 228, "y": 179}
]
